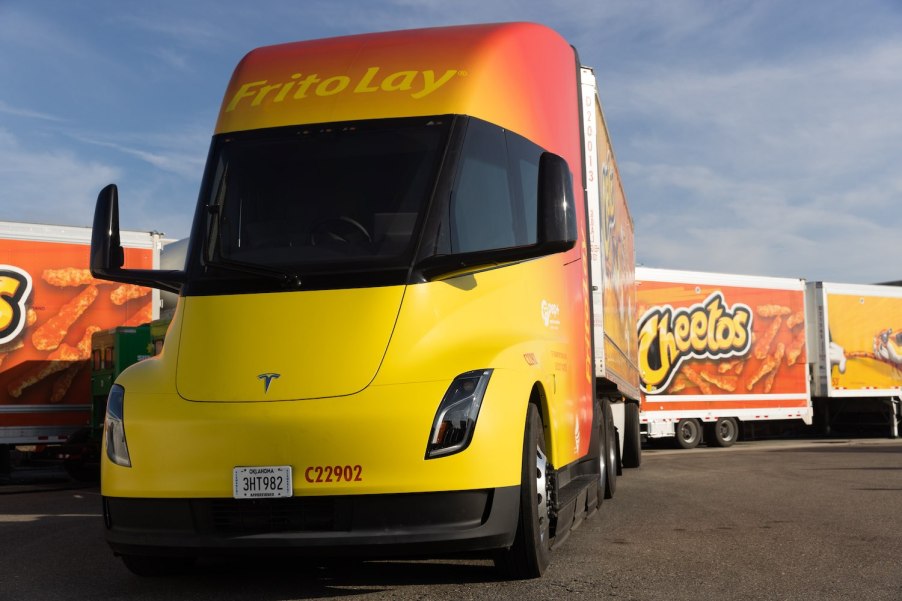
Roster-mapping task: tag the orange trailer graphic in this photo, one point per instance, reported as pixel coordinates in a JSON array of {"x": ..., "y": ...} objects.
[
  {"x": 50, "y": 306},
  {"x": 718, "y": 349}
]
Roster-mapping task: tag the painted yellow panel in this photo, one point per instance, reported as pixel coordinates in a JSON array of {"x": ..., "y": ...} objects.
[
  {"x": 493, "y": 319},
  {"x": 866, "y": 328},
  {"x": 310, "y": 344}
]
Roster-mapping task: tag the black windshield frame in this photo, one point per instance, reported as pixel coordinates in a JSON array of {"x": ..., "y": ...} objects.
[
  {"x": 503, "y": 213},
  {"x": 379, "y": 176}
]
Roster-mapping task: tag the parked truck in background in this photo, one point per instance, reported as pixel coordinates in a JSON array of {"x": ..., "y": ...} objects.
[
  {"x": 855, "y": 337},
  {"x": 720, "y": 351},
  {"x": 396, "y": 228},
  {"x": 50, "y": 306},
  {"x": 717, "y": 350}
]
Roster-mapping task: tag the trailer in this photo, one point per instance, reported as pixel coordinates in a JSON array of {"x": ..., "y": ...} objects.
[
  {"x": 437, "y": 349},
  {"x": 717, "y": 351},
  {"x": 50, "y": 306},
  {"x": 855, "y": 333}
]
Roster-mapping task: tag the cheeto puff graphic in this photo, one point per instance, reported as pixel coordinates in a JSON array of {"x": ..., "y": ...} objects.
[
  {"x": 837, "y": 357},
  {"x": 888, "y": 347}
]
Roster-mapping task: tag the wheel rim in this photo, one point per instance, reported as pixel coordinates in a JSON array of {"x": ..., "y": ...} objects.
[
  {"x": 542, "y": 492},
  {"x": 726, "y": 431},
  {"x": 687, "y": 431}
]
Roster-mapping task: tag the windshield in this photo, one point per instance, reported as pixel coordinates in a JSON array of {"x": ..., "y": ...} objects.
[{"x": 321, "y": 198}]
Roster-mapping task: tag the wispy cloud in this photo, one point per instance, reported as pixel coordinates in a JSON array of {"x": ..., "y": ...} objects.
[
  {"x": 754, "y": 137},
  {"x": 28, "y": 114},
  {"x": 179, "y": 154},
  {"x": 48, "y": 187}
]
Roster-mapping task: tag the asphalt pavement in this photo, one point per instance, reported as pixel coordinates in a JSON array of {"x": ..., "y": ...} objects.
[{"x": 800, "y": 520}]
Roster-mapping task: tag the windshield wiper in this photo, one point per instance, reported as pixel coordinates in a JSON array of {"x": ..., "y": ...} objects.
[{"x": 287, "y": 278}]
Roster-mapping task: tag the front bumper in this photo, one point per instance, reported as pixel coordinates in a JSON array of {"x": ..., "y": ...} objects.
[{"x": 410, "y": 524}]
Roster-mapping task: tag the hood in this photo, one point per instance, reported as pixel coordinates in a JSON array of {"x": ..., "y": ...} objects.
[{"x": 283, "y": 346}]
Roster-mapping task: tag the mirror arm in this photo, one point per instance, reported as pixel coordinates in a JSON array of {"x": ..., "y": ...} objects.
[{"x": 108, "y": 256}]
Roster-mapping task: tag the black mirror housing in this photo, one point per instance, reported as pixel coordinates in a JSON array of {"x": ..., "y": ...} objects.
[
  {"x": 557, "y": 206},
  {"x": 107, "y": 255}
]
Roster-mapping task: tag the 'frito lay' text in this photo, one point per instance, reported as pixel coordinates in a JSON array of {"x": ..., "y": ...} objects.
[{"x": 418, "y": 84}]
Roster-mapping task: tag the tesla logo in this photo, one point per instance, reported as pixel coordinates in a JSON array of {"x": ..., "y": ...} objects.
[{"x": 267, "y": 380}]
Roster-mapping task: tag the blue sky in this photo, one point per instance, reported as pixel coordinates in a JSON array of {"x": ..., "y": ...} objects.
[{"x": 756, "y": 137}]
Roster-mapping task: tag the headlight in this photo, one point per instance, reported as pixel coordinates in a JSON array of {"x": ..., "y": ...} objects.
[
  {"x": 455, "y": 420},
  {"x": 114, "y": 429}
]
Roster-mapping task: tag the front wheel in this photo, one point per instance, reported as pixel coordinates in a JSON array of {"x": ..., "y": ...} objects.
[{"x": 530, "y": 554}]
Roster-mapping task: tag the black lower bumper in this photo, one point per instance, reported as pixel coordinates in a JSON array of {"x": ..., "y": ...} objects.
[{"x": 415, "y": 524}]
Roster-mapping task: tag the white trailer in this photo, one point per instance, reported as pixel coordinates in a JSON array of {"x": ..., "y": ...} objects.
[
  {"x": 717, "y": 350},
  {"x": 855, "y": 337}
]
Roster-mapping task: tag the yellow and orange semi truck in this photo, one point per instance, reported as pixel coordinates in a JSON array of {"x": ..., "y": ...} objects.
[{"x": 402, "y": 321}]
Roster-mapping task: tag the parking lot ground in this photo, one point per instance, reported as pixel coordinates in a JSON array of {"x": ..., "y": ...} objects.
[{"x": 800, "y": 520}]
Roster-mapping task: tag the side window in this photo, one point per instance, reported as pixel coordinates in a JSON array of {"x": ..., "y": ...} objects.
[
  {"x": 524, "y": 167},
  {"x": 494, "y": 198},
  {"x": 482, "y": 207}
]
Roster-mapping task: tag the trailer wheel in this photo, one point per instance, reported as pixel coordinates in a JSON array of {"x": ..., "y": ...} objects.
[
  {"x": 153, "y": 566},
  {"x": 598, "y": 451},
  {"x": 611, "y": 450},
  {"x": 725, "y": 431},
  {"x": 688, "y": 433},
  {"x": 530, "y": 554},
  {"x": 632, "y": 441}
]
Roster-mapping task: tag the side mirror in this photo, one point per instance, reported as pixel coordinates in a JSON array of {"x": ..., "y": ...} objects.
[
  {"x": 557, "y": 207},
  {"x": 107, "y": 256}
]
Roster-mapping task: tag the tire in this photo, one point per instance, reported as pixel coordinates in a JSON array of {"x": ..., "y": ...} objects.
[
  {"x": 612, "y": 450},
  {"x": 599, "y": 452},
  {"x": 725, "y": 432},
  {"x": 153, "y": 566},
  {"x": 632, "y": 441},
  {"x": 688, "y": 433},
  {"x": 530, "y": 554}
]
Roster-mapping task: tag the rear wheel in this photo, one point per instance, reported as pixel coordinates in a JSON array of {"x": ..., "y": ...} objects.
[
  {"x": 612, "y": 449},
  {"x": 599, "y": 451},
  {"x": 725, "y": 432},
  {"x": 688, "y": 433},
  {"x": 632, "y": 441},
  {"x": 530, "y": 554}
]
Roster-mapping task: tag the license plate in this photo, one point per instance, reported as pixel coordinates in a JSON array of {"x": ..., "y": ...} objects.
[{"x": 262, "y": 482}]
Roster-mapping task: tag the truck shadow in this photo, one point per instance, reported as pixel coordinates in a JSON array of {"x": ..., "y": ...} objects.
[{"x": 265, "y": 578}]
